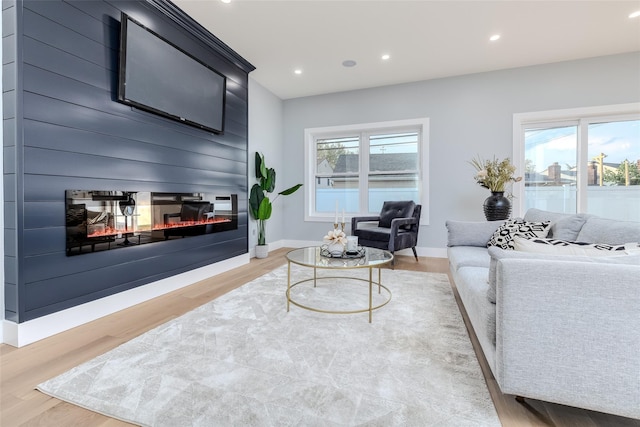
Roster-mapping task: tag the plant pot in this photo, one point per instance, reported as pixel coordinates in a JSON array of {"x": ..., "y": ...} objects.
[
  {"x": 497, "y": 207},
  {"x": 262, "y": 251}
]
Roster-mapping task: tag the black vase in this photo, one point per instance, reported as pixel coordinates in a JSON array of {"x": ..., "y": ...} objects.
[{"x": 497, "y": 207}]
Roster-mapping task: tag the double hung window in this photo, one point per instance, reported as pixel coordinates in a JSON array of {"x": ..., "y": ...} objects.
[
  {"x": 580, "y": 161},
  {"x": 354, "y": 169}
]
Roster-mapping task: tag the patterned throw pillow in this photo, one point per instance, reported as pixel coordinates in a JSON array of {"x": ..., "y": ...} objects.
[
  {"x": 564, "y": 247},
  {"x": 503, "y": 237}
]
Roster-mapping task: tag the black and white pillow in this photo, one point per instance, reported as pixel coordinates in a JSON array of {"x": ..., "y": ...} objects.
[
  {"x": 564, "y": 247},
  {"x": 503, "y": 237}
]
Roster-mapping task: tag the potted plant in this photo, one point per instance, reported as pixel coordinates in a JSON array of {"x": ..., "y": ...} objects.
[
  {"x": 494, "y": 175},
  {"x": 259, "y": 203}
]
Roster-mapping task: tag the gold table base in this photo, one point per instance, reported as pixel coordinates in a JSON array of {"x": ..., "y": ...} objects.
[{"x": 315, "y": 279}]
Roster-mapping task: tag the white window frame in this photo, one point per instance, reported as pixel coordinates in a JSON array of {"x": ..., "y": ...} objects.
[
  {"x": 421, "y": 125},
  {"x": 580, "y": 117}
]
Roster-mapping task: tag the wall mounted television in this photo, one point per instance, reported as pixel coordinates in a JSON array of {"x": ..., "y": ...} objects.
[{"x": 157, "y": 76}]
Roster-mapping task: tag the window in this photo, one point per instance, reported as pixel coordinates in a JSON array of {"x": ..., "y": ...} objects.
[
  {"x": 354, "y": 169},
  {"x": 583, "y": 160}
]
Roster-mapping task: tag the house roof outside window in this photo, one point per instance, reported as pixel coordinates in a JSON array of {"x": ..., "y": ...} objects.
[{"x": 392, "y": 162}]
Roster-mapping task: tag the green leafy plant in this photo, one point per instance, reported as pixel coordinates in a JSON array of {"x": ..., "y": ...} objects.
[
  {"x": 629, "y": 173},
  {"x": 260, "y": 205},
  {"x": 494, "y": 174}
]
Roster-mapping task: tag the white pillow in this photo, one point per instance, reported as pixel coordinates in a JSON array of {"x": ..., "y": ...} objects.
[{"x": 563, "y": 247}]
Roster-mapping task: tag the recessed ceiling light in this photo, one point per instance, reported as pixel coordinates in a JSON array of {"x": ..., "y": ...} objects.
[
  {"x": 297, "y": 71},
  {"x": 494, "y": 37},
  {"x": 635, "y": 14},
  {"x": 349, "y": 63},
  {"x": 385, "y": 57},
  {"x": 225, "y": 1}
]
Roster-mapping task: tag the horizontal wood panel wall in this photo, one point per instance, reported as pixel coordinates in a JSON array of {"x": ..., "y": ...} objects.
[{"x": 63, "y": 129}]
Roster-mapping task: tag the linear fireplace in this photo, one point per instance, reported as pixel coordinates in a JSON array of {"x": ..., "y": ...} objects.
[{"x": 105, "y": 220}]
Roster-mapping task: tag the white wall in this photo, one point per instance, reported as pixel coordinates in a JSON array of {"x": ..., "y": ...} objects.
[
  {"x": 266, "y": 136},
  {"x": 469, "y": 115}
]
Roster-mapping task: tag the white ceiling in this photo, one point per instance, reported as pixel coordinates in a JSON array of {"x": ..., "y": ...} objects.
[{"x": 426, "y": 39}]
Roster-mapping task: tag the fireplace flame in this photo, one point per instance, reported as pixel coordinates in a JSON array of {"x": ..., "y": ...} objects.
[
  {"x": 113, "y": 231},
  {"x": 181, "y": 224}
]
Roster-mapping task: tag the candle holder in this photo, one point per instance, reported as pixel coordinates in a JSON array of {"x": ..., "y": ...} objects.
[
  {"x": 335, "y": 225},
  {"x": 342, "y": 226}
]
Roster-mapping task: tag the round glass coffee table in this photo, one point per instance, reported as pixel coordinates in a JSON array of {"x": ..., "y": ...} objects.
[{"x": 311, "y": 257}]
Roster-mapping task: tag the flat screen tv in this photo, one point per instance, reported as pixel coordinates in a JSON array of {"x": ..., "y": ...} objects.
[{"x": 157, "y": 76}]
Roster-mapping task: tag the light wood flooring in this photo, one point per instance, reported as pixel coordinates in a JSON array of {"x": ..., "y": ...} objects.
[{"x": 22, "y": 369}]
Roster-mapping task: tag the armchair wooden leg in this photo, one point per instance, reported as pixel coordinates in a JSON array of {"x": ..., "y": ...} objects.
[{"x": 415, "y": 254}]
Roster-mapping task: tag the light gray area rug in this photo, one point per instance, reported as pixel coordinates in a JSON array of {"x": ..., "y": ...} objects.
[{"x": 242, "y": 360}]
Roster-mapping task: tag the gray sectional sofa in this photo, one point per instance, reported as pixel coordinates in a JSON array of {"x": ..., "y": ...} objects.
[{"x": 555, "y": 327}]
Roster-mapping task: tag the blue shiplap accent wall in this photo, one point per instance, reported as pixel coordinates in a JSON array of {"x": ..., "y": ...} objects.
[{"x": 63, "y": 129}]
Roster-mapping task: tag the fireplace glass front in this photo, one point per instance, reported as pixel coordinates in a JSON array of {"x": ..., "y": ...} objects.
[{"x": 105, "y": 220}]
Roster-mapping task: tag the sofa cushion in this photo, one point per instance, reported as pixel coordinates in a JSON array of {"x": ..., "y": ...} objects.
[
  {"x": 563, "y": 225},
  {"x": 610, "y": 231},
  {"x": 538, "y": 215},
  {"x": 471, "y": 283},
  {"x": 496, "y": 254},
  {"x": 470, "y": 233},
  {"x": 563, "y": 247},
  {"x": 468, "y": 256},
  {"x": 568, "y": 228},
  {"x": 378, "y": 234},
  {"x": 503, "y": 237},
  {"x": 392, "y": 210}
]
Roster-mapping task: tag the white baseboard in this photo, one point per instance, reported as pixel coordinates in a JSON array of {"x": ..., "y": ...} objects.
[{"x": 21, "y": 334}]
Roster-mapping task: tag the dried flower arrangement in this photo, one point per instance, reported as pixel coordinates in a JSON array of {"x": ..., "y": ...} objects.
[{"x": 494, "y": 174}]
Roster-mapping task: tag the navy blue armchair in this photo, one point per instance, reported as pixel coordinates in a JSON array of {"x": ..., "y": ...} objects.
[{"x": 397, "y": 228}]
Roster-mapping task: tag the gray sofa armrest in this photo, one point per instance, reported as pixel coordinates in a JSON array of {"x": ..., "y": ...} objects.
[
  {"x": 567, "y": 332},
  {"x": 470, "y": 233}
]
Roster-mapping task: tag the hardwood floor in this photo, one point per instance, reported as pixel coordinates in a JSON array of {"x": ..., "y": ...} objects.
[{"x": 22, "y": 369}]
